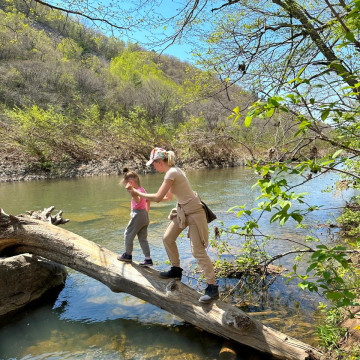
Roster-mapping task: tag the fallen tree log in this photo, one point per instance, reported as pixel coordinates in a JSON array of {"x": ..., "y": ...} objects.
[{"x": 30, "y": 234}]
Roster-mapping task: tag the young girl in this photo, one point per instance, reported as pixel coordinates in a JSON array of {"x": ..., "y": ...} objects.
[
  {"x": 139, "y": 220},
  {"x": 189, "y": 212}
]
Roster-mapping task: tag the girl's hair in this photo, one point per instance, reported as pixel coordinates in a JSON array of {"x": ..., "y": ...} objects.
[
  {"x": 170, "y": 158},
  {"x": 130, "y": 174}
]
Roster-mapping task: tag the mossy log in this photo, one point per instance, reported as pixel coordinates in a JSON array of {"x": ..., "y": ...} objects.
[{"x": 35, "y": 233}]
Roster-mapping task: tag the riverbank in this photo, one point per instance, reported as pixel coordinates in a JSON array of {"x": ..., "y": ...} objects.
[{"x": 21, "y": 170}]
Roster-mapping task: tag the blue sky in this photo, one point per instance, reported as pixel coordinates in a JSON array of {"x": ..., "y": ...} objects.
[{"x": 181, "y": 49}]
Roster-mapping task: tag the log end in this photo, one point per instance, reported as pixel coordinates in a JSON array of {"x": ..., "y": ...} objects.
[{"x": 227, "y": 352}]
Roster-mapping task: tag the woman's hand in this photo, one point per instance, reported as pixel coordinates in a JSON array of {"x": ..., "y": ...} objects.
[
  {"x": 163, "y": 193},
  {"x": 128, "y": 187},
  {"x": 133, "y": 192}
]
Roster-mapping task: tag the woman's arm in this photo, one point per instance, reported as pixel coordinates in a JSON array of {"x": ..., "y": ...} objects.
[{"x": 162, "y": 194}]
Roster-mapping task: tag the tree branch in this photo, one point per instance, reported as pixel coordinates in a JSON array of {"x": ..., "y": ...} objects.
[
  {"x": 347, "y": 30},
  {"x": 335, "y": 64},
  {"x": 83, "y": 14}
]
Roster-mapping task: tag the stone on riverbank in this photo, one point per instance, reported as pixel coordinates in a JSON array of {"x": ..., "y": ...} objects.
[{"x": 23, "y": 171}]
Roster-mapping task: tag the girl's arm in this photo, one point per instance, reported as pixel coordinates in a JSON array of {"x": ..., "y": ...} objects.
[
  {"x": 147, "y": 206},
  {"x": 162, "y": 194}
]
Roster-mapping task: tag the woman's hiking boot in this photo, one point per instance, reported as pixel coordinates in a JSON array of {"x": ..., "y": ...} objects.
[
  {"x": 174, "y": 273},
  {"x": 211, "y": 293}
]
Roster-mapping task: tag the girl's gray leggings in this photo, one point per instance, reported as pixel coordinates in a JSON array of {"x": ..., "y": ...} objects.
[{"x": 138, "y": 225}]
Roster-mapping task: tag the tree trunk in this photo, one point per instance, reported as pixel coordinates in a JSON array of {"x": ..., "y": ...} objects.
[{"x": 29, "y": 234}]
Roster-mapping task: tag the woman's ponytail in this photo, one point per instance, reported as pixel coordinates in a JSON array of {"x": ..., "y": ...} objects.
[{"x": 170, "y": 157}]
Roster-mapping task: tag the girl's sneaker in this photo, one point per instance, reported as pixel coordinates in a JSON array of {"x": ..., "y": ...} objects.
[
  {"x": 125, "y": 257},
  {"x": 147, "y": 262}
]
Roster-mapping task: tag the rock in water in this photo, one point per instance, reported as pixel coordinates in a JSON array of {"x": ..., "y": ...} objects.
[{"x": 25, "y": 278}]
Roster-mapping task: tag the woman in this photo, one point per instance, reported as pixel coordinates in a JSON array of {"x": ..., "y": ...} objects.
[{"x": 189, "y": 212}]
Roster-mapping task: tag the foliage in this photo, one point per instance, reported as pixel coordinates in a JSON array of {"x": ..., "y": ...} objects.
[
  {"x": 46, "y": 134},
  {"x": 52, "y": 88},
  {"x": 319, "y": 99},
  {"x": 57, "y": 65},
  {"x": 350, "y": 221},
  {"x": 329, "y": 332},
  {"x": 331, "y": 271},
  {"x": 330, "y": 267},
  {"x": 253, "y": 253}
]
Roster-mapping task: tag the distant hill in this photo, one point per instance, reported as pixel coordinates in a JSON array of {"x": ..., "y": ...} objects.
[{"x": 71, "y": 94}]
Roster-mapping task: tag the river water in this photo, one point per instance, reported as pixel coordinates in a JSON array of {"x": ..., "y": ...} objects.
[{"x": 87, "y": 321}]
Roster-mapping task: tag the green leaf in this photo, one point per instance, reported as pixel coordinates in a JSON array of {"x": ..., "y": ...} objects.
[
  {"x": 327, "y": 162},
  {"x": 300, "y": 72},
  {"x": 311, "y": 267},
  {"x": 350, "y": 36},
  {"x": 326, "y": 275},
  {"x": 248, "y": 120},
  {"x": 337, "y": 153},
  {"x": 322, "y": 247},
  {"x": 325, "y": 114},
  {"x": 240, "y": 213},
  {"x": 349, "y": 294},
  {"x": 304, "y": 124},
  {"x": 233, "y": 228},
  {"x": 270, "y": 112},
  {"x": 283, "y": 220},
  {"x": 235, "y": 207},
  {"x": 339, "y": 248},
  {"x": 297, "y": 217},
  {"x": 236, "y": 119},
  {"x": 332, "y": 295},
  {"x": 303, "y": 286}
]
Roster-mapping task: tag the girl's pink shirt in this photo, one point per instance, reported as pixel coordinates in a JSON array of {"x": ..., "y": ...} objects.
[{"x": 141, "y": 204}]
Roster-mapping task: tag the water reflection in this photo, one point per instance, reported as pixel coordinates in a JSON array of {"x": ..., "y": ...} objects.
[
  {"x": 88, "y": 321},
  {"x": 43, "y": 333}
]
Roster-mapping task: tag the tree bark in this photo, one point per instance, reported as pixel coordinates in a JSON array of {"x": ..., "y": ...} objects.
[{"x": 29, "y": 234}]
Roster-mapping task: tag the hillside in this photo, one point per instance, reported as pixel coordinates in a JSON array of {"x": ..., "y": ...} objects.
[{"x": 70, "y": 95}]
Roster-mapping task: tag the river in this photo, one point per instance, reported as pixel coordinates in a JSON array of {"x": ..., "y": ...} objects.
[{"x": 87, "y": 321}]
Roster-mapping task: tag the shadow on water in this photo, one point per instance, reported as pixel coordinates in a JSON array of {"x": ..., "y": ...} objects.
[{"x": 41, "y": 333}]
